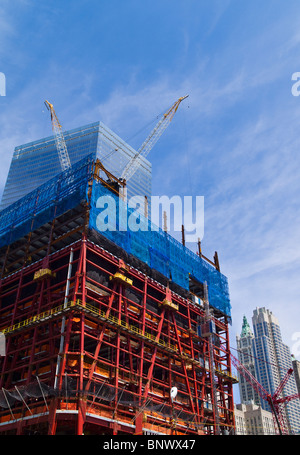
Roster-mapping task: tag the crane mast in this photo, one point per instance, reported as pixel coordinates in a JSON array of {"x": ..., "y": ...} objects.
[
  {"x": 151, "y": 140},
  {"x": 59, "y": 138}
]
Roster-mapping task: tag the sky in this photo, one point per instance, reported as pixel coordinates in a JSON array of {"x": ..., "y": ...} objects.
[{"x": 234, "y": 140}]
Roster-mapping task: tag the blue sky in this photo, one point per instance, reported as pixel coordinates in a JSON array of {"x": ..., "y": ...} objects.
[{"x": 235, "y": 140}]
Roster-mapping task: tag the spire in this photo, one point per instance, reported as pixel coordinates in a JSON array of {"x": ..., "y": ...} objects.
[{"x": 246, "y": 330}]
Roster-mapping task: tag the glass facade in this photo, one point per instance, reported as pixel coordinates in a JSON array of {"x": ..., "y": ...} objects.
[{"x": 36, "y": 162}]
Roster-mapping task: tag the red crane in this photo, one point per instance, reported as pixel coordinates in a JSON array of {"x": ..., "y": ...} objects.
[{"x": 275, "y": 401}]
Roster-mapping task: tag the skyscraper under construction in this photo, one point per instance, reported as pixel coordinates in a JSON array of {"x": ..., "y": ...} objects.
[{"x": 101, "y": 325}]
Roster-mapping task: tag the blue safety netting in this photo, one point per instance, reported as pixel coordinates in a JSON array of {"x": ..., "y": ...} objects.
[
  {"x": 152, "y": 245},
  {"x": 42, "y": 205}
]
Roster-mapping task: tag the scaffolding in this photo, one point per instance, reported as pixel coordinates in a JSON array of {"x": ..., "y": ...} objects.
[
  {"x": 83, "y": 184},
  {"x": 96, "y": 331}
]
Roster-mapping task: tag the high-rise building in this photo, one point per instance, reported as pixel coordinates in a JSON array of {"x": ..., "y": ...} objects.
[
  {"x": 245, "y": 355},
  {"x": 36, "y": 162},
  {"x": 272, "y": 361},
  {"x": 101, "y": 325}
]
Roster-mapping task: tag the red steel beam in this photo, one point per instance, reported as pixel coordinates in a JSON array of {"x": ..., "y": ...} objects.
[{"x": 135, "y": 349}]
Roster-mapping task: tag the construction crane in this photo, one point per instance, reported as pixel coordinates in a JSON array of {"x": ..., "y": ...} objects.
[
  {"x": 59, "y": 138},
  {"x": 275, "y": 401},
  {"x": 151, "y": 140}
]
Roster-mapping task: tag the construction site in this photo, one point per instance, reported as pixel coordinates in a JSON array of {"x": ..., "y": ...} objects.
[{"x": 107, "y": 332}]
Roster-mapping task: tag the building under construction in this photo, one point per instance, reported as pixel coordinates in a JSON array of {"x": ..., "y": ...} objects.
[{"x": 100, "y": 326}]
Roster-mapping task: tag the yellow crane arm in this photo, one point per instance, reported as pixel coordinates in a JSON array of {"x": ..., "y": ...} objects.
[
  {"x": 59, "y": 138},
  {"x": 151, "y": 140}
]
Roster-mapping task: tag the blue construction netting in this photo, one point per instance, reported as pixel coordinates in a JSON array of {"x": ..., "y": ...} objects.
[
  {"x": 153, "y": 246},
  {"x": 42, "y": 205}
]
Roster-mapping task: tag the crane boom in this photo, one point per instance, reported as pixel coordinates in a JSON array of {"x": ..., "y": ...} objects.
[
  {"x": 59, "y": 138},
  {"x": 151, "y": 140},
  {"x": 276, "y": 403},
  {"x": 279, "y": 389},
  {"x": 249, "y": 378}
]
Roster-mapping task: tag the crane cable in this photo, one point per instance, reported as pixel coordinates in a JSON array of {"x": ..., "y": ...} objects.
[{"x": 112, "y": 151}]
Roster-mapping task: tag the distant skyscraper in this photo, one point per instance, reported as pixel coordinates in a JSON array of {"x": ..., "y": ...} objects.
[
  {"x": 245, "y": 356},
  {"x": 272, "y": 361},
  {"x": 36, "y": 162}
]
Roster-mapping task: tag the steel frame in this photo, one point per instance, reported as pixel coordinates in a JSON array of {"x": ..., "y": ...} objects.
[
  {"x": 114, "y": 328},
  {"x": 122, "y": 329}
]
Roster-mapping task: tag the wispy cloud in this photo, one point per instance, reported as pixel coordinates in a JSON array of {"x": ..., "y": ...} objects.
[{"x": 254, "y": 217}]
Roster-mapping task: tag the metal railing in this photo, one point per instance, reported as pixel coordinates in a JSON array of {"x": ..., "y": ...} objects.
[{"x": 88, "y": 308}]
